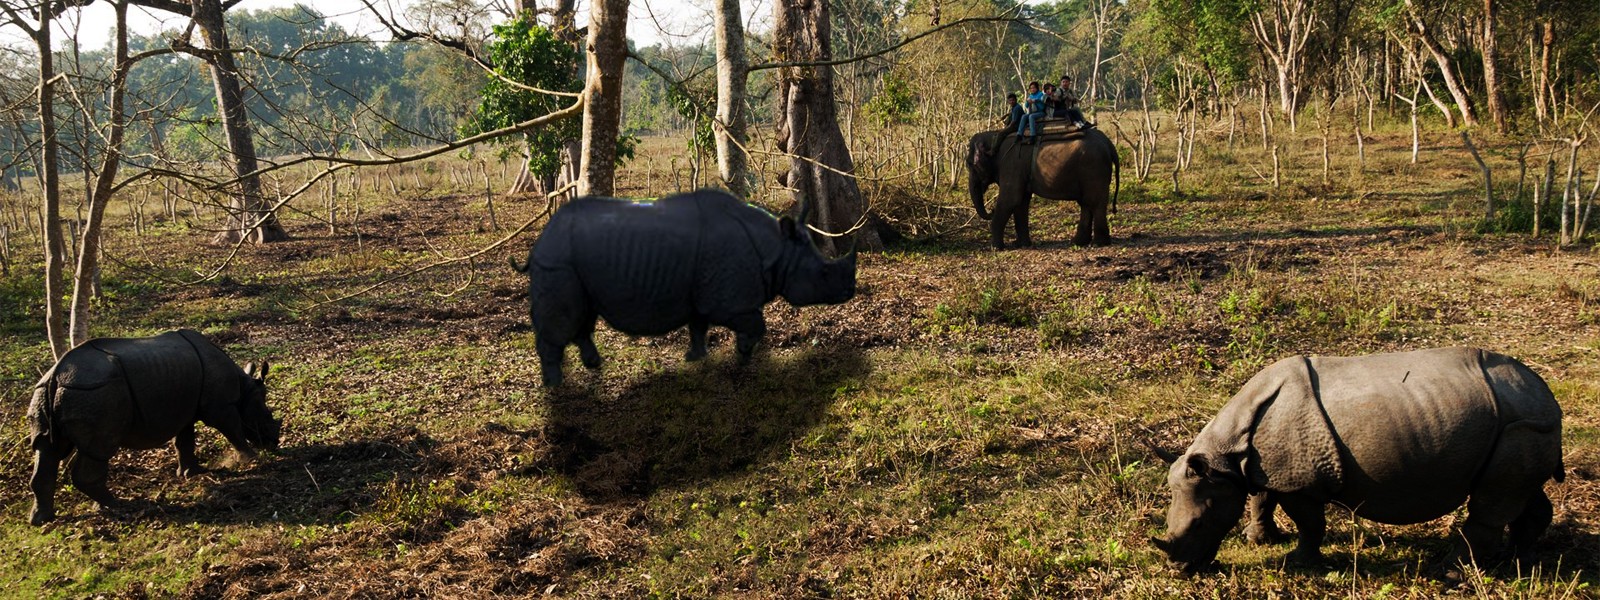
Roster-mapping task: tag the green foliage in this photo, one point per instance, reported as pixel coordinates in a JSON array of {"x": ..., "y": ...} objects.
[
  {"x": 894, "y": 103},
  {"x": 527, "y": 53}
]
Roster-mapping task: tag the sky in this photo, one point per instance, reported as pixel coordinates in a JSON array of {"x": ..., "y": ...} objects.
[{"x": 671, "y": 22}]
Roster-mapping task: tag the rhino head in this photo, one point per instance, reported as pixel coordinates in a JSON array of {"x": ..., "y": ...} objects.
[
  {"x": 260, "y": 429},
  {"x": 808, "y": 277},
  {"x": 1208, "y": 498}
]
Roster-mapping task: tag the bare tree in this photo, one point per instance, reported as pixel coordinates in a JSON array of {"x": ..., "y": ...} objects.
[
  {"x": 1281, "y": 30},
  {"x": 1423, "y": 32},
  {"x": 251, "y": 221},
  {"x": 1491, "y": 70},
  {"x": 49, "y": 174}
]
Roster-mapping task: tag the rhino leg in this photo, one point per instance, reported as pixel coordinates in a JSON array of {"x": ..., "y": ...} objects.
[
  {"x": 1510, "y": 491},
  {"x": 1530, "y": 525},
  {"x": 46, "y": 470},
  {"x": 550, "y": 360},
  {"x": 587, "y": 352},
  {"x": 1262, "y": 529},
  {"x": 89, "y": 476},
  {"x": 1311, "y": 523},
  {"x": 698, "y": 326},
  {"x": 748, "y": 329},
  {"x": 188, "y": 463}
]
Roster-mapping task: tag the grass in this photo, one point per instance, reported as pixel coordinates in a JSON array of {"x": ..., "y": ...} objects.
[{"x": 972, "y": 425}]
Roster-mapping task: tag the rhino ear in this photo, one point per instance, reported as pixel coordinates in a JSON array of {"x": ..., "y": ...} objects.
[
  {"x": 1203, "y": 466},
  {"x": 787, "y": 226}
]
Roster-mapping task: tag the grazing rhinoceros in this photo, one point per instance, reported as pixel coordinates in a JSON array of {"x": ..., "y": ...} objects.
[
  {"x": 698, "y": 259},
  {"x": 139, "y": 393},
  {"x": 1397, "y": 438}
]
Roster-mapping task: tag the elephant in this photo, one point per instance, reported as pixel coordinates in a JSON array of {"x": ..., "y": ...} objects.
[{"x": 1079, "y": 167}]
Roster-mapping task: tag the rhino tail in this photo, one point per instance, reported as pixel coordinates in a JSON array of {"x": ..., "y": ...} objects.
[{"x": 1561, "y": 471}]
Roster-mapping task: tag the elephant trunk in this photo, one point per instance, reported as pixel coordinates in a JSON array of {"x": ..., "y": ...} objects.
[{"x": 976, "y": 187}]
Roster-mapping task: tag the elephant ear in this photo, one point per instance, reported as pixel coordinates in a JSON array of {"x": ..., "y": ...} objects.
[{"x": 1275, "y": 428}]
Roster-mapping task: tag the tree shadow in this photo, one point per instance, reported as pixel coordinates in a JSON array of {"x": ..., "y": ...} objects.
[{"x": 693, "y": 423}]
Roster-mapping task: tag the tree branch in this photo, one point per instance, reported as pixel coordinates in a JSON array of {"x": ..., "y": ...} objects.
[{"x": 882, "y": 51}]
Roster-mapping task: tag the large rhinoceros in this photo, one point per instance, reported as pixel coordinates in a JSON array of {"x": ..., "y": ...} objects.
[
  {"x": 698, "y": 259},
  {"x": 110, "y": 393},
  {"x": 1397, "y": 438}
]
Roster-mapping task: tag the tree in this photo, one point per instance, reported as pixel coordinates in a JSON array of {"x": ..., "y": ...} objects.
[
  {"x": 732, "y": 85},
  {"x": 252, "y": 219},
  {"x": 607, "y": 48},
  {"x": 821, "y": 171},
  {"x": 527, "y": 58},
  {"x": 50, "y": 180}
]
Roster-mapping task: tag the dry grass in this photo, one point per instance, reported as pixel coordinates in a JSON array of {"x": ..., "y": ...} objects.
[{"x": 968, "y": 427}]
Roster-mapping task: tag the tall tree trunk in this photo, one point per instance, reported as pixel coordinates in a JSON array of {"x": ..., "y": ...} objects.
[
  {"x": 607, "y": 48},
  {"x": 54, "y": 242},
  {"x": 1491, "y": 74},
  {"x": 252, "y": 217},
  {"x": 1447, "y": 69},
  {"x": 83, "y": 281},
  {"x": 732, "y": 81},
  {"x": 820, "y": 168},
  {"x": 1542, "y": 98}
]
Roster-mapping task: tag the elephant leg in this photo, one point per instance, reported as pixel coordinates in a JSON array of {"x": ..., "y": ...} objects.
[
  {"x": 748, "y": 329},
  {"x": 1085, "y": 222},
  {"x": 1102, "y": 225},
  {"x": 1262, "y": 529},
  {"x": 698, "y": 326},
  {"x": 46, "y": 470},
  {"x": 89, "y": 476},
  {"x": 1020, "y": 217},
  {"x": 188, "y": 463},
  {"x": 1311, "y": 524}
]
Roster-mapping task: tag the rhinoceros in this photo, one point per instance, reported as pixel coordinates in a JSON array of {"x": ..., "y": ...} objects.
[
  {"x": 1397, "y": 438},
  {"x": 650, "y": 267},
  {"x": 139, "y": 393}
]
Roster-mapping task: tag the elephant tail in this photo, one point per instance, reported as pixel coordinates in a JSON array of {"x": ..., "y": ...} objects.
[{"x": 1116, "y": 169}]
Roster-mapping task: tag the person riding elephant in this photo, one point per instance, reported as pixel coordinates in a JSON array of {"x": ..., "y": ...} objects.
[
  {"x": 1067, "y": 102},
  {"x": 1035, "y": 107},
  {"x": 1014, "y": 114},
  {"x": 1080, "y": 167}
]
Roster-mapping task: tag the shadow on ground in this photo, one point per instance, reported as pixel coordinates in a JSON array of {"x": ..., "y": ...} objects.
[{"x": 685, "y": 425}]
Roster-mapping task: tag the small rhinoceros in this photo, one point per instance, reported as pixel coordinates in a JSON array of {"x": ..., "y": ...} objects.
[
  {"x": 698, "y": 259},
  {"x": 1397, "y": 438},
  {"x": 108, "y": 394}
]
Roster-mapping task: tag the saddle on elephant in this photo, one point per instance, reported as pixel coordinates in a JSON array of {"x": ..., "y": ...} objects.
[{"x": 1056, "y": 129}]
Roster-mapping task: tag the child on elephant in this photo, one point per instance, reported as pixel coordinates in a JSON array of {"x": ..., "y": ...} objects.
[{"x": 1031, "y": 122}]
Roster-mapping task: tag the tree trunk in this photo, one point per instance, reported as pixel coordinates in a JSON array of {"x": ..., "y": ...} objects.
[
  {"x": 54, "y": 243},
  {"x": 732, "y": 81},
  {"x": 1542, "y": 98},
  {"x": 607, "y": 48},
  {"x": 1491, "y": 75},
  {"x": 821, "y": 170},
  {"x": 253, "y": 220},
  {"x": 1447, "y": 70},
  {"x": 83, "y": 281}
]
